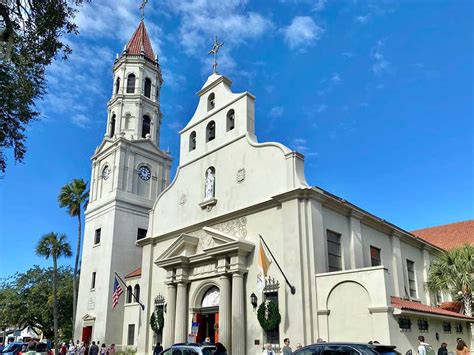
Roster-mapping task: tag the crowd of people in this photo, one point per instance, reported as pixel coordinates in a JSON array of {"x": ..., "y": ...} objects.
[
  {"x": 426, "y": 349},
  {"x": 83, "y": 348}
]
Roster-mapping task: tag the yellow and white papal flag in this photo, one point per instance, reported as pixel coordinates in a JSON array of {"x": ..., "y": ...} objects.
[{"x": 263, "y": 265}]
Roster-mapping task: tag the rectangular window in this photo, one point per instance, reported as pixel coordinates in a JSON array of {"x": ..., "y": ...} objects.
[
  {"x": 131, "y": 334},
  {"x": 458, "y": 328},
  {"x": 423, "y": 325},
  {"x": 404, "y": 324},
  {"x": 93, "y": 280},
  {"x": 447, "y": 327},
  {"x": 334, "y": 251},
  {"x": 411, "y": 278},
  {"x": 375, "y": 256},
  {"x": 141, "y": 233},
  {"x": 97, "y": 236}
]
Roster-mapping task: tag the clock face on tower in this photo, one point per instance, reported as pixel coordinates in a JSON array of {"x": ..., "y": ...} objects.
[
  {"x": 144, "y": 173},
  {"x": 106, "y": 172}
]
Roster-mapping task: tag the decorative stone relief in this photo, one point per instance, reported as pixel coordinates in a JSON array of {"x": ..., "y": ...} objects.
[
  {"x": 240, "y": 177},
  {"x": 182, "y": 199},
  {"x": 236, "y": 227},
  {"x": 205, "y": 240}
]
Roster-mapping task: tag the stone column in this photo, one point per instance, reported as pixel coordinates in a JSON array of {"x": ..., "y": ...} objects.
[
  {"x": 397, "y": 267},
  {"x": 224, "y": 312},
  {"x": 170, "y": 315},
  {"x": 238, "y": 314},
  {"x": 181, "y": 314},
  {"x": 356, "y": 250}
]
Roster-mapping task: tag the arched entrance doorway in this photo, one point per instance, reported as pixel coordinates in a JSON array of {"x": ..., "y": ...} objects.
[{"x": 208, "y": 316}]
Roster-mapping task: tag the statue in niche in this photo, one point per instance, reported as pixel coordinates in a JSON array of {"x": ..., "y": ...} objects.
[{"x": 210, "y": 184}]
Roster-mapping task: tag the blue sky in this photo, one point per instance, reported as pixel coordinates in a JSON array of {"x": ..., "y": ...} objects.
[{"x": 378, "y": 95}]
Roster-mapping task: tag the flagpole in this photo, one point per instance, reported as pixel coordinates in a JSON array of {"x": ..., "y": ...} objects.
[
  {"x": 126, "y": 287},
  {"x": 292, "y": 288}
]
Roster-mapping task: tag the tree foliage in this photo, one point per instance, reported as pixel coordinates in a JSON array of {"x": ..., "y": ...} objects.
[
  {"x": 31, "y": 34},
  {"x": 27, "y": 300},
  {"x": 453, "y": 272}
]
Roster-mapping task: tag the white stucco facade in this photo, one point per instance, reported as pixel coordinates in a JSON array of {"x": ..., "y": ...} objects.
[{"x": 203, "y": 232}]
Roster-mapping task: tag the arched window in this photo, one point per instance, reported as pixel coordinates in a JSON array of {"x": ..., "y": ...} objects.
[
  {"x": 211, "y": 101},
  {"x": 129, "y": 294},
  {"x": 117, "y": 85},
  {"x": 131, "y": 84},
  {"x": 211, "y": 298},
  {"x": 230, "y": 120},
  {"x": 145, "y": 126},
  {"x": 192, "y": 141},
  {"x": 210, "y": 131},
  {"x": 136, "y": 291},
  {"x": 147, "y": 87},
  {"x": 112, "y": 126}
]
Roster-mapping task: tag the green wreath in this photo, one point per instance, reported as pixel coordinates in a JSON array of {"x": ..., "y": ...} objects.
[
  {"x": 157, "y": 320},
  {"x": 268, "y": 316}
]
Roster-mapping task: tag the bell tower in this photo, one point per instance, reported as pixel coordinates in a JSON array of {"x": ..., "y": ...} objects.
[{"x": 129, "y": 171}]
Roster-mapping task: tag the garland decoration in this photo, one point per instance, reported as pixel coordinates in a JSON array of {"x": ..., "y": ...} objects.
[
  {"x": 157, "y": 320},
  {"x": 268, "y": 316}
]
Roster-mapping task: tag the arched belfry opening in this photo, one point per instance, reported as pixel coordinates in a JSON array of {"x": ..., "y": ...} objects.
[
  {"x": 147, "y": 88},
  {"x": 131, "y": 84},
  {"x": 210, "y": 131},
  {"x": 230, "y": 120},
  {"x": 117, "y": 85},
  {"x": 211, "y": 101},
  {"x": 112, "y": 127},
  {"x": 146, "y": 126}
]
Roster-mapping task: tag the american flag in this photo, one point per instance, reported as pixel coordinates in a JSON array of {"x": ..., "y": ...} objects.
[{"x": 117, "y": 292}]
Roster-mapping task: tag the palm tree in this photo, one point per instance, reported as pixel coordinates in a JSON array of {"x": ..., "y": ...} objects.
[
  {"x": 74, "y": 196},
  {"x": 453, "y": 272},
  {"x": 55, "y": 246}
]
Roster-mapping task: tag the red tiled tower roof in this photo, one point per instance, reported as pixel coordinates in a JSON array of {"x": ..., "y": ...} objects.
[
  {"x": 134, "y": 273},
  {"x": 140, "y": 42},
  {"x": 449, "y": 236}
]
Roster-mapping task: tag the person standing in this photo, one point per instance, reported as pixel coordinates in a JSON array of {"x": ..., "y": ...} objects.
[
  {"x": 112, "y": 349},
  {"x": 72, "y": 348},
  {"x": 220, "y": 349},
  {"x": 103, "y": 349},
  {"x": 94, "y": 349},
  {"x": 158, "y": 349},
  {"x": 443, "y": 350},
  {"x": 268, "y": 350},
  {"x": 286, "y": 350},
  {"x": 461, "y": 348}
]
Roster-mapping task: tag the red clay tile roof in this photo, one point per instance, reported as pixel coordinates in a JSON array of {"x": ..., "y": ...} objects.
[
  {"x": 452, "y": 306},
  {"x": 423, "y": 308},
  {"x": 134, "y": 273},
  {"x": 139, "y": 41},
  {"x": 448, "y": 236}
]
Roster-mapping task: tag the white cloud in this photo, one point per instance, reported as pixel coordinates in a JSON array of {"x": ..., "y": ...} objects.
[
  {"x": 276, "y": 112},
  {"x": 321, "y": 108},
  {"x": 301, "y": 146},
  {"x": 336, "y": 78},
  {"x": 362, "y": 19},
  {"x": 202, "y": 19},
  {"x": 380, "y": 64},
  {"x": 302, "y": 32},
  {"x": 320, "y": 5},
  {"x": 348, "y": 54},
  {"x": 81, "y": 120}
]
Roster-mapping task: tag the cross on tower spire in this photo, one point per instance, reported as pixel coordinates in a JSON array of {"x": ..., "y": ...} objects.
[
  {"x": 215, "y": 48},
  {"x": 142, "y": 9}
]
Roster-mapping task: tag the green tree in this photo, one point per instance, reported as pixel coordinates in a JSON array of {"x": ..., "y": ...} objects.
[
  {"x": 31, "y": 34},
  {"x": 26, "y": 300},
  {"x": 453, "y": 272},
  {"x": 55, "y": 246},
  {"x": 74, "y": 196}
]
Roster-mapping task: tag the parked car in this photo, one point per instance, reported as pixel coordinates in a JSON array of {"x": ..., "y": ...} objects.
[
  {"x": 14, "y": 348},
  {"x": 347, "y": 349},
  {"x": 189, "y": 349}
]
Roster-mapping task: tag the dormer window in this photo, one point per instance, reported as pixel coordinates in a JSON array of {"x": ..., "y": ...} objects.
[
  {"x": 145, "y": 126},
  {"x": 117, "y": 85},
  {"x": 131, "y": 84},
  {"x": 230, "y": 120},
  {"x": 210, "y": 131},
  {"x": 192, "y": 141},
  {"x": 112, "y": 126},
  {"x": 211, "y": 101},
  {"x": 147, "y": 87}
]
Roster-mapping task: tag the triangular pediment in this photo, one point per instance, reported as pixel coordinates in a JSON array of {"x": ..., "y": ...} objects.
[
  {"x": 185, "y": 245},
  {"x": 88, "y": 317},
  {"x": 219, "y": 237}
]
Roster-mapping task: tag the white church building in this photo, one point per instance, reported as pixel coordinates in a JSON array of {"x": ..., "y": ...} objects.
[{"x": 188, "y": 248}]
